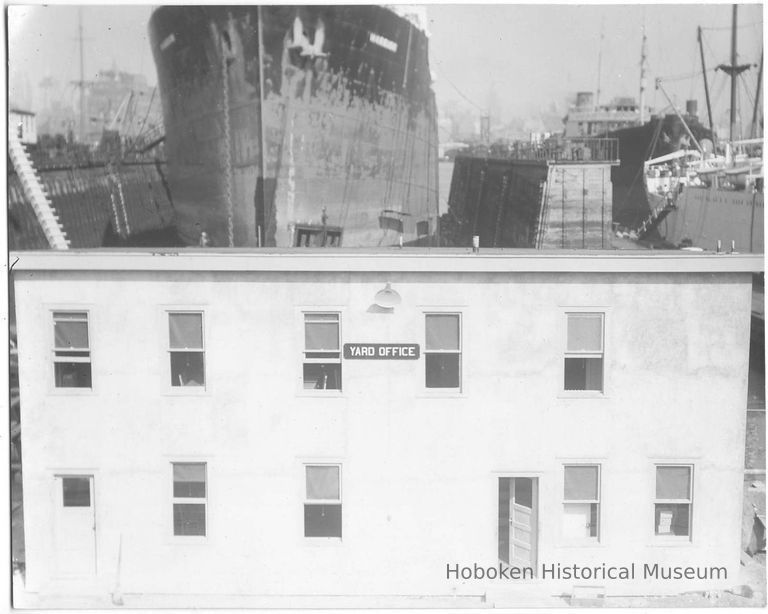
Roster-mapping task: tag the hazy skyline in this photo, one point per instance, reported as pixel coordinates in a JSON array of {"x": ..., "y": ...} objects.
[{"x": 531, "y": 57}]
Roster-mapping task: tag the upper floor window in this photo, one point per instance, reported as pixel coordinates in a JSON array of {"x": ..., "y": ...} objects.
[
  {"x": 674, "y": 501},
  {"x": 189, "y": 498},
  {"x": 186, "y": 348},
  {"x": 322, "y": 507},
  {"x": 71, "y": 351},
  {"x": 322, "y": 351},
  {"x": 442, "y": 350},
  {"x": 584, "y": 352},
  {"x": 581, "y": 502}
]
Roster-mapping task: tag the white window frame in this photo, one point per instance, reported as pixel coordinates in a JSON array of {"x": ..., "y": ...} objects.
[
  {"x": 190, "y": 500},
  {"x": 589, "y": 539},
  {"x": 308, "y": 501},
  {"x": 325, "y": 360},
  {"x": 63, "y": 359},
  {"x": 583, "y": 311},
  {"x": 460, "y": 352},
  {"x": 688, "y": 501},
  {"x": 169, "y": 312}
]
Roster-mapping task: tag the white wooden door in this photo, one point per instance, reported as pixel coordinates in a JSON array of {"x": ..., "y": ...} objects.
[
  {"x": 75, "y": 525},
  {"x": 522, "y": 521}
]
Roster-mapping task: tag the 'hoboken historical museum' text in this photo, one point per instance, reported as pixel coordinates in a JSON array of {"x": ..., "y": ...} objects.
[{"x": 559, "y": 571}]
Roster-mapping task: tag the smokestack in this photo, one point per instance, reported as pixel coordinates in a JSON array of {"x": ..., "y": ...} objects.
[
  {"x": 692, "y": 108},
  {"x": 584, "y": 101}
]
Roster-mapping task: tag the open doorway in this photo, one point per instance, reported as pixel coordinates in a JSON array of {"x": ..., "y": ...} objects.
[{"x": 518, "y": 521}]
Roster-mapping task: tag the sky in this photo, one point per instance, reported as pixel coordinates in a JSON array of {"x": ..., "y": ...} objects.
[{"x": 525, "y": 57}]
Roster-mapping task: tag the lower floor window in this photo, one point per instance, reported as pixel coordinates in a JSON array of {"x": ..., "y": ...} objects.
[
  {"x": 189, "y": 498},
  {"x": 673, "y": 505},
  {"x": 581, "y": 501},
  {"x": 322, "y": 507}
]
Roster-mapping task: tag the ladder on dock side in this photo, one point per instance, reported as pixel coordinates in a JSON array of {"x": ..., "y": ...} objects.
[
  {"x": 35, "y": 194},
  {"x": 541, "y": 228},
  {"x": 655, "y": 218}
]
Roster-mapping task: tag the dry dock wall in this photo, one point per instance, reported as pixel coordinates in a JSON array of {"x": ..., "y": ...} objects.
[
  {"x": 577, "y": 205},
  {"x": 93, "y": 204},
  {"x": 525, "y": 203}
]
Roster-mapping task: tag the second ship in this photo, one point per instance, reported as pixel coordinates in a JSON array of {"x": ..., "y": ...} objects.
[{"x": 298, "y": 126}]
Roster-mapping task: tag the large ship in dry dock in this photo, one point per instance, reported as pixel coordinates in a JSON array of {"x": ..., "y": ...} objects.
[{"x": 298, "y": 125}]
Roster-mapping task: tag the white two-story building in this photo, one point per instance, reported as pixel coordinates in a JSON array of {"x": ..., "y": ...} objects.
[{"x": 304, "y": 428}]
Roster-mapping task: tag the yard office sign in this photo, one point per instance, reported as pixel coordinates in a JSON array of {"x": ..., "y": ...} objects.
[{"x": 381, "y": 351}]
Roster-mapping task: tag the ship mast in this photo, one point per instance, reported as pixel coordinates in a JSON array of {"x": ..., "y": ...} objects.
[
  {"x": 642, "y": 77},
  {"x": 753, "y": 132},
  {"x": 82, "y": 75},
  {"x": 261, "y": 232},
  {"x": 706, "y": 84},
  {"x": 734, "y": 70},
  {"x": 600, "y": 63},
  {"x": 733, "y": 74}
]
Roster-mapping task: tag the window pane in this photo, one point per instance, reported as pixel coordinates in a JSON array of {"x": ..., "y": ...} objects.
[
  {"x": 188, "y": 519},
  {"x": 321, "y": 336},
  {"x": 585, "y": 332},
  {"x": 71, "y": 334},
  {"x": 524, "y": 492},
  {"x": 673, "y": 482},
  {"x": 583, "y": 373},
  {"x": 581, "y": 483},
  {"x": 77, "y": 492},
  {"x": 189, "y": 479},
  {"x": 187, "y": 369},
  {"x": 186, "y": 330},
  {"x": 322, "y": 520},
  {"x": 322, "y": 482},
  {"x": 442, "y": 370},
  {"x": 72, "y": 374},
  {"x": 672, "y": 519},
  {"x": 442, "y": 332},
  {"x": 322, "y": 376}
]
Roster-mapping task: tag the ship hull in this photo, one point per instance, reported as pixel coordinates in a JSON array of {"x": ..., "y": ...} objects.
[
  {"x": 703, "y": 216},
  {"x": 636, "y": 145},
  {"x": 294, "y": 125}
]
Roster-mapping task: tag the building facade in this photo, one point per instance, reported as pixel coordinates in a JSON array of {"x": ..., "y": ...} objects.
[
  {"x": 585, "y": 119},
  {"x": 24, "y": 125},
  {"x": 202, "y": 425}
]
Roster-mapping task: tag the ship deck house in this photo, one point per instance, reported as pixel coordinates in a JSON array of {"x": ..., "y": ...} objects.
[{"x": 203, "y": 425}]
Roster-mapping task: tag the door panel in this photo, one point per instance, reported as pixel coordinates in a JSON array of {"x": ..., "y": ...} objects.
[
  {"x": 518, "y": 502},
  {"x": 504, "y": 500},
  {"x": 75, "y": 525}
]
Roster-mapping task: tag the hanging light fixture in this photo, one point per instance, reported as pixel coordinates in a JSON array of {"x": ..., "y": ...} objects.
[{"x": 387, "y": 297}]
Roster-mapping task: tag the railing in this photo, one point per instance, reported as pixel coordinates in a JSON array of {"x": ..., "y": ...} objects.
[
  {"x": 553, "y": 150},
  {"x": 568, "y": 150},
  {"x": 45, "y": 161}
]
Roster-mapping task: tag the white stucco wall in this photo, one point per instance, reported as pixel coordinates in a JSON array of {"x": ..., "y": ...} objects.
[{"x": 420, "y": 469}]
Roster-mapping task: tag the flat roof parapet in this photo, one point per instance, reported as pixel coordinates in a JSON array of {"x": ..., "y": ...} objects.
[{"x": 430, "y": 260}]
